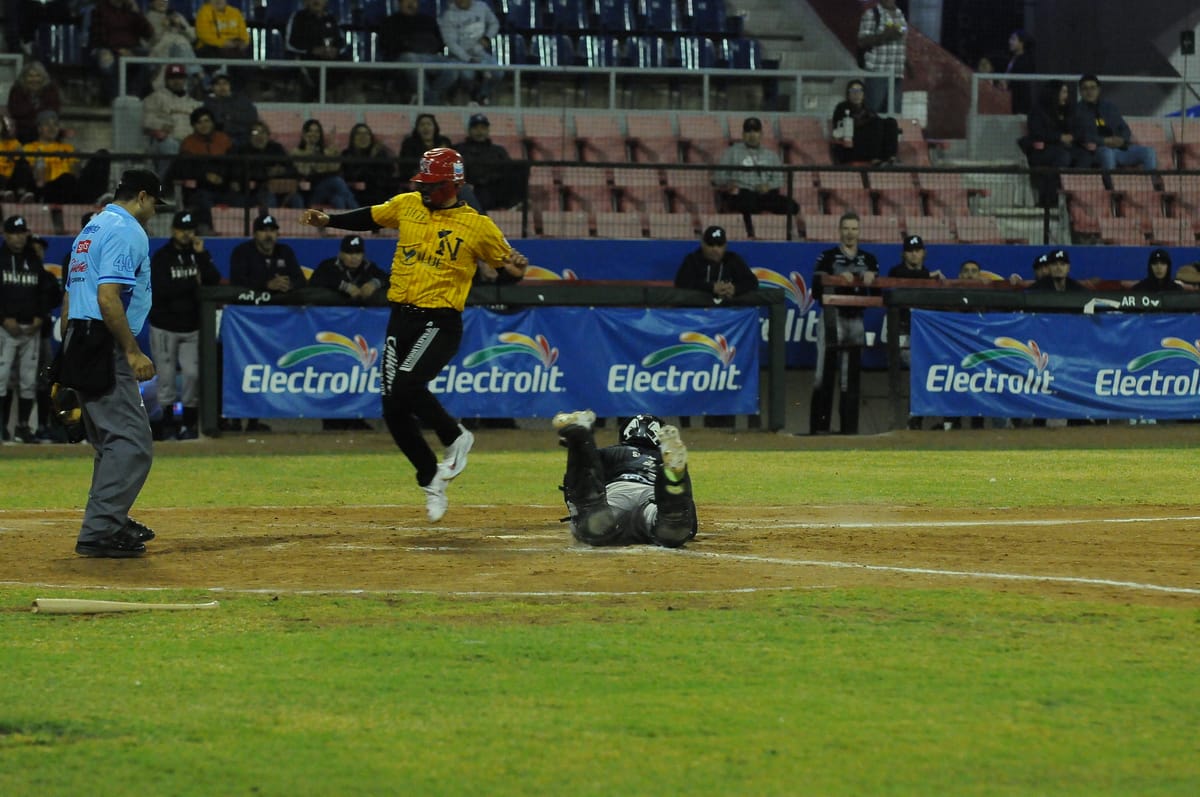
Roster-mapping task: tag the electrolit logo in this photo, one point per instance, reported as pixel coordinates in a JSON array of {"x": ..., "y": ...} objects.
[
  {"x": 966, "y": 379},
  {"x": 362, "y": 377},
  {"x": 652, "y": 378},
  {"x": 1154, "y": 382},
  {"x": 513, "y": 347},
  {"x": 800, "y": 324}
]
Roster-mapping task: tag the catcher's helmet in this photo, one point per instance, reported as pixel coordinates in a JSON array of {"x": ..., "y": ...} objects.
[{"x": 642, "y": 430}]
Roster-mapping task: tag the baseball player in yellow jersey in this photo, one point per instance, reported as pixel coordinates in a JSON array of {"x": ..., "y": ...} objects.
[{"x": 439, "y": 240}]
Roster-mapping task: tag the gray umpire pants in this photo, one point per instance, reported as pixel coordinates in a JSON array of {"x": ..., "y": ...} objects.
[{"x": 119, "y": 430}]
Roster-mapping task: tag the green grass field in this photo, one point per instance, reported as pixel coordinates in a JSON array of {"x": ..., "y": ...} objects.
[{"x": 950, "y": 691}]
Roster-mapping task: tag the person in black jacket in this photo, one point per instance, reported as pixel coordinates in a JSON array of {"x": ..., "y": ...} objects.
[
  {"x": 1158, "y": 274},
  {"x": 858, "y": 134},
  {"x": 1050, "y": 140},
  {"x": 177, "y": 271},
  {"x": 489, "y": 169},
  {"x": 412, "y": 37},
  {"x": 1057, "y": 280},
  {"x": 714, "y": 269},
  {"x": 25, "y": 288}
]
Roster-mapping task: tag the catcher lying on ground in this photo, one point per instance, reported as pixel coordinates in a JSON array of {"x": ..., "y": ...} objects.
[{"x": 636, "y": 492}]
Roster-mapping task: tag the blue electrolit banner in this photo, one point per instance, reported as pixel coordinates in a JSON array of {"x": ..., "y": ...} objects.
[
  {"x": 323, "y": 362},
  {"x": 1014, "y": 365}
]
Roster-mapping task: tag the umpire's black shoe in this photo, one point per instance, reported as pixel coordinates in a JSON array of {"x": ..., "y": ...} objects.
[
  {"x": 140, "y": 531},
  {"x": 122, "y": 545}
]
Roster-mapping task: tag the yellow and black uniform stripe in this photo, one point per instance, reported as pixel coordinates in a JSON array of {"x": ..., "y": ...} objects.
[{"x": 436, "y": 251}]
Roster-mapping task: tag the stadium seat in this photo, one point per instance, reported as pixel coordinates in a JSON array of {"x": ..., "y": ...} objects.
[
  {"x": 734, "y": 224},
  {"x": 946, "y": 194},
  {"x": 1172, "y": 232},
  {"x": 546, "y": 49},
  {"x": 661, "y": 17},
  {"x": 652, "y": 138},
  {"x": 389, "y": 126},
  {"x": 703, "y": 136},
  {"x": 232, "y": 222},
  {"x": 978, "y": 230},
  {"x": 546, "y": 137},
  {"x": 510, "y": 49},
  {"x": 570, "y": 16},
  {"x": 1137, "y": 198},
  {"x": 597, "y": 50},
  {"x": 522, "y": 16},
  {"x": 545, "y": 190},
  {"x": 565, "y": 224},
  {"x": 623, "y": 225},
  {"x": 912, "y": 149},
  {"x": 509, "y": 222},
  {"x": 896, "y": 193},
  {"x": 690, "y": 190},
  {"x": 747, "y": 53},
  {"x": 802, "y": 138},
  {"x": 373, "y": 13},
  {"x": 646, "y": 52},
  {"x": 771, "y": 227},
  {"x": 617, "y": 16},
  {"x": 1153, "y": 133},
  {"x": 694, "y": 53},
  {"x": 821, "y": 228},
  {"x": 1187, "y": 143},
  {"x": 880, "y": 229},
  {"x": 706, "y": 17},
  {"x": 844, "y": 191},
  {"x": 672, "y": 226},
  {"x": 284, "y": 123},
  {"x": 1122, "y": 231},
  {"x": 932, "y": 229},
  {"x": 337, "y": 123},
  {"x": 640, "y": 189},
  {"x": 599, "y": 138},
  {"x": 587, "y": 189},
  {"x": 1087, "y": 201},
  {"x": 1182, "y": 195}
]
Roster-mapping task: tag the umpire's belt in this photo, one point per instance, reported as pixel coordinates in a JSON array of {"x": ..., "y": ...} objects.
[{"x": 85, "y": 324}]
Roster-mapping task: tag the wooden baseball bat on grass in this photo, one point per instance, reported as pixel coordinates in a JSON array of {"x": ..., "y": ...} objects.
[{"x": 79, "y": 606}]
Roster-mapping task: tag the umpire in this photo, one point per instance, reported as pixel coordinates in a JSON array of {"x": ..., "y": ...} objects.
[
  {"x": 108, "y": 299},
  {"x": 177, "y": 271}
]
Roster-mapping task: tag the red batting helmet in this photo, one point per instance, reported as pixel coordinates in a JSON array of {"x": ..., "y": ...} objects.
[
  {"x": 440, "y": 175},
  {"x": 440, "y": 165}
]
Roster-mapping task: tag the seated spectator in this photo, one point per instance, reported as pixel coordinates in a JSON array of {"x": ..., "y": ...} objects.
[
  {"x": 233, "y": 112},
  {"x": 321, "y": 167},
  {"x": 267, "y": 173},
  {"x": 426, "y": 135},
  {"x": 1050, "y": 140},
  {"x": 489, "y": 170},
  {"x": 1057, "y": 279},
  {"x": 166, "y": 116},
  {"x": 207, "y": 175},
  {"x": 1189, "y": 275},
  {"x": 411, "y": 37},
  {"x": 221, "y": 31},
  {"x": 33, "y": 92},
  {"x": 1102, "y": 134},
  {"x": 859, "y": 134},
  {"x": 351, "y": 274},
  {"x": 55, "y": 173},
  {"x": 1041, "y": 269},
  {"x": 173, "y": 38},
  {"x": 119, "y": 29},
  {"x": 751, "y": 191},
  {"x": 313, "y": 35},
  {"x": 1158, "y": 274},
  {"x": 714, "y": 270},
  {"x": 369, "y": 167},
  {"x": 16, "y": 176},
  {"x": 468, "y": 28}
]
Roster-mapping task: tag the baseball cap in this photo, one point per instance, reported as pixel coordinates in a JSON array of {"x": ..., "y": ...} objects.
[
  {"x": 16, "y": 224},
  {"x": 134, "y": 180},
  {"x": 912, "y": 243},
  {"x": 352, "y": 244},
  {"x": 184, "y": 220},
  {"x": 715, "y": 236},
  {"x": 1159, "y": 256},
  {"x": 1060, "y": 256},
  {"x": 752, "y": 123},
  {"x": 175, "y": 70},
  {"x": 265, "y": 222},
  {"x": 1041, "y": 261},
  {"x": 478, "y": 119}
]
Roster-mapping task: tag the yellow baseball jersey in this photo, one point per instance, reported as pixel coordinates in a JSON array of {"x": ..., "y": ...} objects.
[
  {"x": 51, "y": 152},
  {"x": 436, "y": 251},
  {"x": 8, "y": 163}
]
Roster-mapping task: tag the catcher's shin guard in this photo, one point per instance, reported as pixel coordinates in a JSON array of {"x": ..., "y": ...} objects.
[
  {"x": 592, "y": 521},
  {"x": 676, "y": 522}
]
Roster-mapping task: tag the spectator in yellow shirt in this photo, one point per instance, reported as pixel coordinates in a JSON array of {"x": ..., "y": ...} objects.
[
  {"x": 55, "y": 175},
  {"x": 16, "y": 178},
  {"x": 221, "y": 31}
]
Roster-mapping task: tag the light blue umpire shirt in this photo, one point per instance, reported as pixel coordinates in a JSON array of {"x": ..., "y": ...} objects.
[{"x": 113, "y": 247}]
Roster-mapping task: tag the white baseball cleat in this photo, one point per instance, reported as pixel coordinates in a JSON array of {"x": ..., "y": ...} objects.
[
  {"x": 436, "y": 502},
  {"x": 456, "y": 454},
  {"x": 674, "y": 452},
  {"x": 584, "y": 418}
]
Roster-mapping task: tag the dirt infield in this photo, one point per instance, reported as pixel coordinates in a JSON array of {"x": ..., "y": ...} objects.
[
  {"x": 1138, "y": 554},
  {"x": 1144, "y": 556}
]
